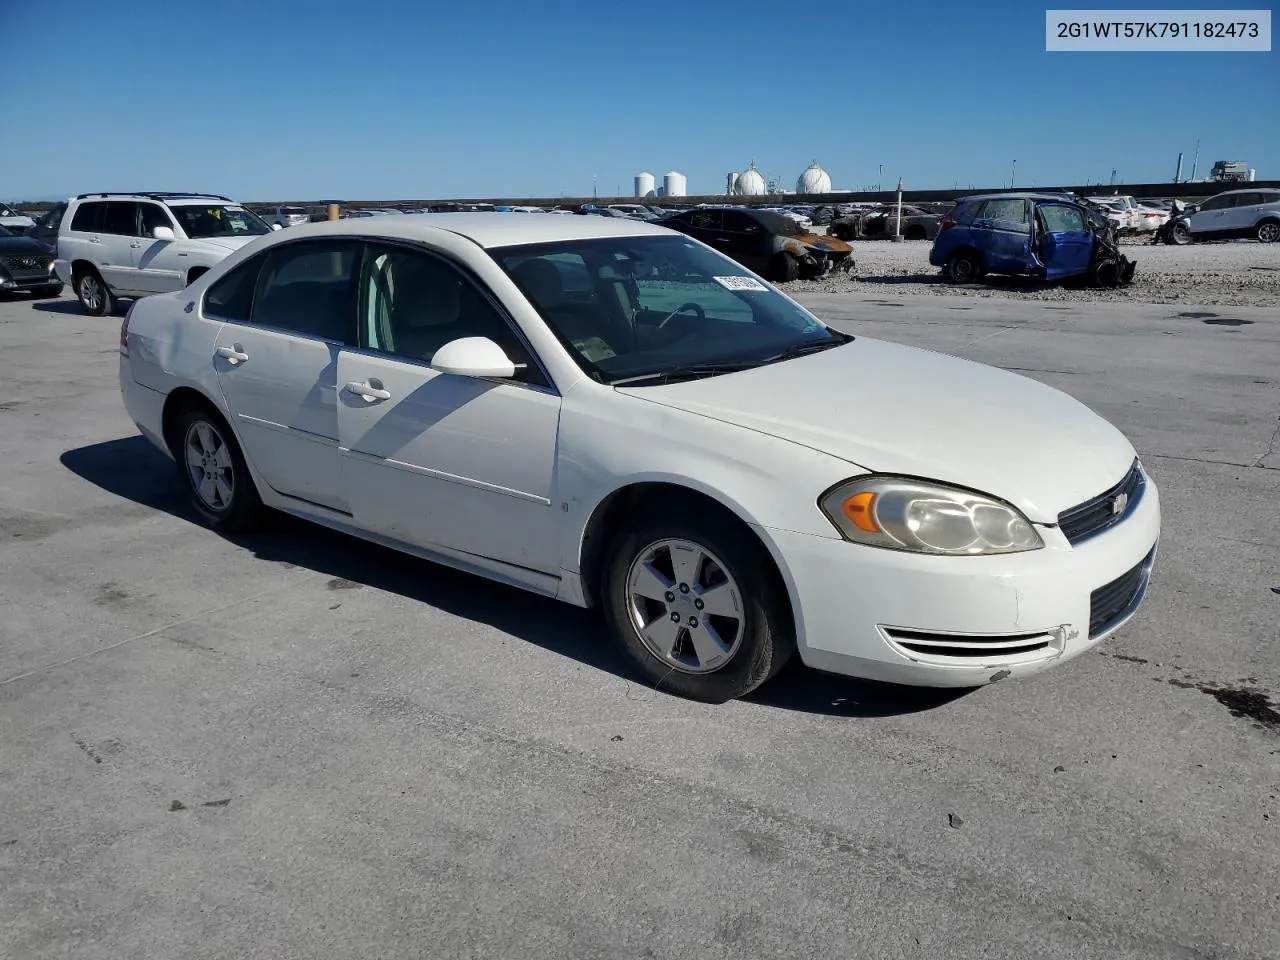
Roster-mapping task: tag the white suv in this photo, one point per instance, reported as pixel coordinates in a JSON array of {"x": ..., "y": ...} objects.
[
  {"x": 114, "y": 245},
  {"x": 1236, "y": 213}
]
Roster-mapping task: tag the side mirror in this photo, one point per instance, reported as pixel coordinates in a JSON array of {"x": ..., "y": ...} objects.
[
  {"x": 164, "y": 233},
  {"x": 276, "y": 226},
  {"x": 474, "y": 357}
]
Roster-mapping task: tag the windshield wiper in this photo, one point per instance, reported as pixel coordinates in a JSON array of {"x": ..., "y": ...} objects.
[
  {"x": 800, "y": 349},
  {"x": 689, "y": 372}
]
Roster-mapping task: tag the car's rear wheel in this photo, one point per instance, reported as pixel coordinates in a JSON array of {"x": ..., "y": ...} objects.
[
  {"x": 93, "y": 293},
  {"x": 696, "y": 605},
  {"x": 214, "y": 472},
  {"x": 785, "y": 268},
  {"x": 1180, "y": 233},
  {"x": 1268, "y": 231},
  {"x": 963, "y": 266}
]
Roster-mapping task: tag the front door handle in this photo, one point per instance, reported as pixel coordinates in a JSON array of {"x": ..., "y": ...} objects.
[
  {"x": 136, "y": 244},
  {"x": 235, "y": 354},
  {"x": 368, "y": 391}
]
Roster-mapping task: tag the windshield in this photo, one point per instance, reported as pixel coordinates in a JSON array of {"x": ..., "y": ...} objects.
[
  {"x": 199, "y": 222},
  {"x": 626, "y": 307},
  {"x": 7, "y": 211},
  {"x": 777, "y": 223}
]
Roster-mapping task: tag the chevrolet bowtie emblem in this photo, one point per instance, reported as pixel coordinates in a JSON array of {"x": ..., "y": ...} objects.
[{"x": 1120, "y": 504}]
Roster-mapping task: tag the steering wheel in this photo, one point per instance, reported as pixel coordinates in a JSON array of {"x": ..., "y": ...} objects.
[{"x": 702, "y": 314}]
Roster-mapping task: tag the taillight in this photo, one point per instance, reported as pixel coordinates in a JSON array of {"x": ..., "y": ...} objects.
[
  {"x": 946, "y": 224},
  {"x": 124, "y": 330}
]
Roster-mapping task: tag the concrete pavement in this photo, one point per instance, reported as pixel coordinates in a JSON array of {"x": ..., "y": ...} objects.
[{"x": 297, "y": 745}]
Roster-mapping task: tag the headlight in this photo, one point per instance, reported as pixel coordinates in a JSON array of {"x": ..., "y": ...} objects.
[{"x": 919, "y": 517}]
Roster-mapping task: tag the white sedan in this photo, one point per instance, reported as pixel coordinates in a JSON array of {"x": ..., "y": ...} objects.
[{"x": 614, "y": 414}]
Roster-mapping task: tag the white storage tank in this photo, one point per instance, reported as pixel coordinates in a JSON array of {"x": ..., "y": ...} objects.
[
  {"x": 813, "y": 180},
  {"x": 644, "y": 184},
  {"x": 749, "y": 183},
  {"x": 730, "y": 183},
  {"x": 674, "y": 184}
]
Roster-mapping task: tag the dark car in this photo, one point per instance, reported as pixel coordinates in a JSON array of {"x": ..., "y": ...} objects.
[
  {"x": 26, "y": 265},
  {"x": 45, "y": 231},
  {"x": 1033, "y": 235},
  {"x": 878, "y": 224},
  {"x": 774, "y": 246}
]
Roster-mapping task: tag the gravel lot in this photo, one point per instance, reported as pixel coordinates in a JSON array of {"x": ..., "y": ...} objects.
[
  {"x": 297, "y": 745},
  {"x": 1237, "y": 274}
]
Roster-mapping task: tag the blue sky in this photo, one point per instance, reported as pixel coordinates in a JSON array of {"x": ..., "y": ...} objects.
[{"x": 315, "y": 99}]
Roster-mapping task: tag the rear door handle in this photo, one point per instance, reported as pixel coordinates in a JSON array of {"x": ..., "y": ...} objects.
[
  {"x": 368, "y": 391},
  {"x": 235, "y": 354}
]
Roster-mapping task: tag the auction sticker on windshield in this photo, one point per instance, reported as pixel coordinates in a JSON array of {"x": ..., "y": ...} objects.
[{"x": 740, "y": 283}]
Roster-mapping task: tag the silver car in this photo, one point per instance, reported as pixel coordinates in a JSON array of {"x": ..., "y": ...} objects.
[{"x": 1236, "y": 213}]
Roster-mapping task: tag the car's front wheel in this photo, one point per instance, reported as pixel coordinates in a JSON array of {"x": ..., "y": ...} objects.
[
  {"x": 695, "y": 604},
  {"x": 214, "y": 472},
  {"x": 1181, "y": 234},
  {"x": 93, "y": 293}
]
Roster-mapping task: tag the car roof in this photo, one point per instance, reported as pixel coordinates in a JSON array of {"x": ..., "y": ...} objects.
[
  {"x": 487, "y": 230},
  {"x": 1013, "y": 196}
]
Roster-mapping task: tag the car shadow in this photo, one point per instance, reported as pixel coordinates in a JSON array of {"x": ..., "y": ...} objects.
[
  {"x": 131, "y": 468},
  {"x": 58, "y": 306}
]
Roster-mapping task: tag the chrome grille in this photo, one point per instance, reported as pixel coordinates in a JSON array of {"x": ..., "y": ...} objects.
[
  {"x": 27, "y": 264},
  {"x": 1092, "y": 517},
  {"x": 1115, "y": 601}
]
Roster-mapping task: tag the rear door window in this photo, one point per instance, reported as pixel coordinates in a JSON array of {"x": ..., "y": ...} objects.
[
  {"x": 89, "y": 217},
  {"x": 310, "y": 289},
  {"x": 121, "y": 218},
  {"x": 1005, "y": 211}
]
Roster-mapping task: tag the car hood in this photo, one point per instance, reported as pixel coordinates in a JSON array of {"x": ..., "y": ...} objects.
[
  {"x": 830, "y": 244},
  {"x": 22, "y": 246},
  {"x": 901, "y": 410},
  {"x": 228, "y": 243}
]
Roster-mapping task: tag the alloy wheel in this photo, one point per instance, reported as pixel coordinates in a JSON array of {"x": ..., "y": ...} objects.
[
  {"x": 685, "y": 606},
  {"x": 209, "y": 466},
  {"x": 91, "y": 292}
]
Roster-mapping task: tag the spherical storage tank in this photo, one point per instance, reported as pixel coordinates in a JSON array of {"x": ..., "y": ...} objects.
[
  {"x": 813, "y": 180},
  {"x": 749, "y": 183},
  {"x": 644, "y": 185}
]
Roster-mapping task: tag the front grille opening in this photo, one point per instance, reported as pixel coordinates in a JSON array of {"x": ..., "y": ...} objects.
[
  {"x": 1115, "y": 600},
  {"x": 1093, "y": 516}
]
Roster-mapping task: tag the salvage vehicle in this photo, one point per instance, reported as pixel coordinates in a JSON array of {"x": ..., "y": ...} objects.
[
  {"x": 13, "y": 221},
  {"x": 878, "y": 224},
  {"x": 1028, "y": 234},
  {"x": 1236, "y": 213},
  {"x": 612, "y": 414},
  {"x": 771, "y": 244},
  {"x": 26, "y": 265}
]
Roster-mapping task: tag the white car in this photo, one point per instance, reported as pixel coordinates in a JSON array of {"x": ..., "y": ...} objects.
[
  {"x": 121, "y": 245},
  {"x": 13, "y": 221},
  {"x": 291, "y": 216},
  {"x": 1236, "y": 213},
  {"x": 614, "y": 414}
]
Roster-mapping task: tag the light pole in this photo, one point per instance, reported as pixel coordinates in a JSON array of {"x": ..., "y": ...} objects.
[
  {"x": 1013, "y": 176},
  {"x": 879, "y": 175}
]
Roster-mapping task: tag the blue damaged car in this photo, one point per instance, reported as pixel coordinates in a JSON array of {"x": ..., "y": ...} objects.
[{"x": 1031, "y": 235}]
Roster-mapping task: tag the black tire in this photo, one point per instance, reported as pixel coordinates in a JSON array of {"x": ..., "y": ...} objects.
[
  {"x": 767, "y": 634},
  {"x": 915, "y": 232},
  {"x": 1180, "y": 235},
  {"x": 42, "y": 293},
  {"x": 785, "y": 268},
  {"x": 1268, "y": 231},
  {"x": 1105, "y": 272},
  {"x": 243, "y": 508},
  {"x": 963, "y": 266},
  {"x": 94, "y": 296}
]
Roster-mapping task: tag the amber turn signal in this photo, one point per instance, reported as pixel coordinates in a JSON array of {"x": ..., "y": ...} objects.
[{"x": 858, "y": 509}]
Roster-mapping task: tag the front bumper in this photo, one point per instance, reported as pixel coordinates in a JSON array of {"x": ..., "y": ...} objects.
[{"x": 963, "y": 621}]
